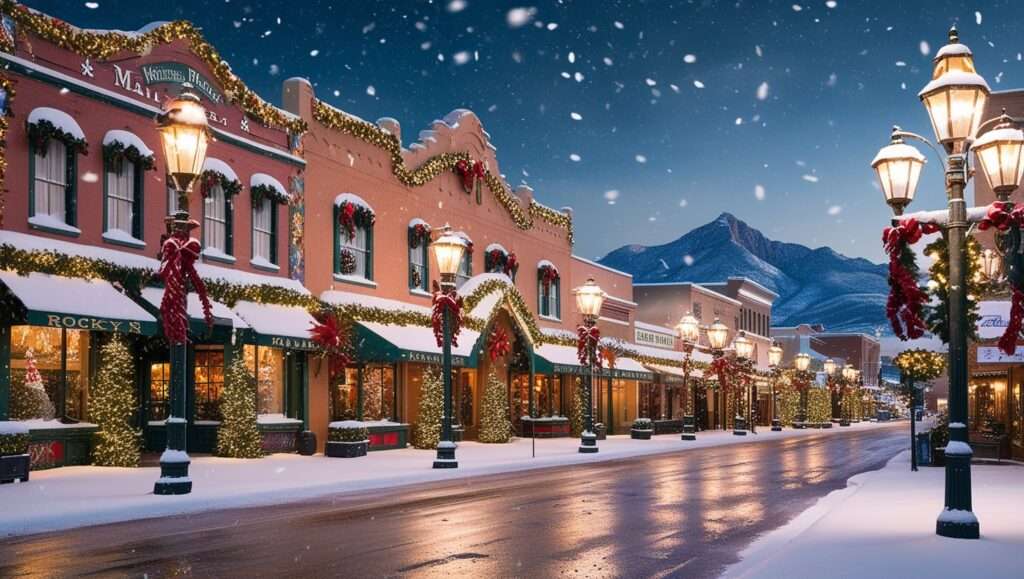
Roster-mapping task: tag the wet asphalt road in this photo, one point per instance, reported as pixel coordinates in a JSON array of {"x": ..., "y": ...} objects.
[{"x": 686, "y": 514}]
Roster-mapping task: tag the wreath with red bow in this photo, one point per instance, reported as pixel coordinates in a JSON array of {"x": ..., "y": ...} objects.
[
  {"x": 419, "y": 234},
  {"x": 906, "y": 299},
  {"x": 451, "y": 302},
  {"x": 352, "y": 215},
  {"x": 1008, "y": 218},
  {"x": 471, "y": 173},
  {"x": 498, "y": 344},
  {"x": 333, "y": 340},
  {"x": 548, "y": 275},
  {"x": 801, "y": 380},
  {"x": 209, "y": 179},
  {"x": 587, "y": 340}
]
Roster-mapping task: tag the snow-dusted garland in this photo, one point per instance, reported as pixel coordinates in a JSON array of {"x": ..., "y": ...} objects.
[
  {"x": 264, "y": 191},
  {"x": 499, "y": 261},
  {"x": 40, "y": 132},
  {"x": 451, "y": 301},
  {"x": 115, "y": 153},
  {"x": 419, "y": 234},
  {"x": 209, "y": 179},
  {"x": 352, "y": 215},
  {"x": 906, "y": 300},
  {"x": 547, "y": 274}
]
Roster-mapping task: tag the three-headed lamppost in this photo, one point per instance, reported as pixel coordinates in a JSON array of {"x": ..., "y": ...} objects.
[
  {"x": 801, "y": 362},
  {"x": 845, "y": 392},
  {"x": 589, "y": 299},
  {"x": 688, "y": 330},
  {"x": 774, "y": 360},
  {"x": 448, "y": 250},
  {"x": 744, "y": 349},
  {"x": 718, "y": 337},
  {"x": 833, "y": 383},
  {"x": 955, "y": 100},
  {"x": 184, "y": 136}
]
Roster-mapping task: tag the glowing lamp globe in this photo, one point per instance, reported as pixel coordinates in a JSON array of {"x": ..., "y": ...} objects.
[
  {"x": 744, "y": 347},
  {"x": 184, "y": 135},
  {"x": 999, "y": 153},
  {"x": 718, "y": 335},
  {"x": 849, "y": 372},
  {"x": 688, "y": 329},
  {"x": 802, "y": 361},
  {"x": 830, "y": 367},
  {"x": 448, "y": 250},
  {"x": 991, "y": 264},
  {"x": 774, "y": 355},
  {"x": 956, "y": 96},
  {"x": 898, "y": 166},
  {"x": 589, "y": 298}
]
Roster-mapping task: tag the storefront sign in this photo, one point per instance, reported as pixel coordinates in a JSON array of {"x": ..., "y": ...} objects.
[
  {"x": 993, "y": 317},
  {"x": 602, "y": 372},
  {"x": 73, "y": 322},
  {"x": 993, "y": 355},
  {"x": 138, "y": 83},
  {"x": 655, "y": 339},
  {"x": 288, "y": 343},
  {"x": 432, "y": 358}
]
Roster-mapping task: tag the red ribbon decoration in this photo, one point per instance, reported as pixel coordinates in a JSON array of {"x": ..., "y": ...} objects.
[
  {"x": 1002, "y": 215},
  {"x": 906, "y": 299},
  {"x": 548, "y": 275},
  {"x": 329, "y": 336},
  {"x": 452, "y": 302},
  {"x": 801, "y": 381},
  {"x": 498, "y": 344},
  {"x": 511, "y": 265},
  {"x": 470, "y": 173},
  {"x": 721, "y": 368},
  {"x": 178, "y": 255},
  {"x": 1008, "y": 341},
  {"x": 347, "y": 217},
  {"x": 587, "y": 340}
]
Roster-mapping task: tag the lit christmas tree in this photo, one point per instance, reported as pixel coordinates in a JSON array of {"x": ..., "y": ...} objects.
[
  {"x": 819, "y": 405},
  {"x": 239, "y": 435},
  {"x": 427, "y": 432},
  {"x": 112, "y": 406},
  {"x": 576, "y": 411},
  {"x": 494, "y": 423},
  {"x": 789, "y": 402},
  {"x": 30, "y": 400}
]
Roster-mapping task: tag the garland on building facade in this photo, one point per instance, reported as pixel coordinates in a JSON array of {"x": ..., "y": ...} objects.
[
  {"x": 936, "y": 314},
  {"x": 239, "y": 433},
  {"x": 41, "y": 132},
  {"x": 211, "y": 178},
  {"x": 547, "y": 274},
  {"x": 498, "y": 260},
  {"x": 115, "y": 153},
  {"x": 6, "y": 96},
  {"x": 263, "y": 191},
  {"x": 906, "y": 300},
  {"x": 419, "y": 235},
  {"x": 112, "y": 406},
  {"x": 352, "y": 215}
]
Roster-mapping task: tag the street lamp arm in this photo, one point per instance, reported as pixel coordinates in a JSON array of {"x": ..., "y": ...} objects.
[
  {"x": 941, "y": 216},
  {"x": 898, "y": 132}
]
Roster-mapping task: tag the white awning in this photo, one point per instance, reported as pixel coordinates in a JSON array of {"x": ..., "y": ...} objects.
[
  {"x": 278, "y": 326},
  {"x": 562, "y": 360},
  {"x": 222, "y": 315},
  {"x": 675, "y": 372},
  {"x": 412, "y": 343}
]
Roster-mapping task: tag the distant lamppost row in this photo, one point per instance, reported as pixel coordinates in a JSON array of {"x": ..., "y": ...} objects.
[
  {"x": 955, "y": 99},
  {"x": 830, "y": 371},
  {"x": 184, "y": 137},
  {"x": 589, "y": 299},
  {"x": 718, "y": 337},
  {"x": 801, "y": 362},
  {"x": 688, "y": 330},
  {"x": 744, "y": 349},
  {"x": 849, "y": 379},
  {"x": 448, "y": 250},
  {"x": 774, "y": 359}
]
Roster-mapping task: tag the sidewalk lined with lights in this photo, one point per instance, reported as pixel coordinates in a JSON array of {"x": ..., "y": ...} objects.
[{"x": 87, "y": 495}]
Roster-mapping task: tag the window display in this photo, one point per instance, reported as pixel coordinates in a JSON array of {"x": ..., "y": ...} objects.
[
  {"x": 209, "y": 382},
  {"x": 267, "y": 365},
  {"x": 378, "y": 392},
  {"x": 49, "y": 373}
]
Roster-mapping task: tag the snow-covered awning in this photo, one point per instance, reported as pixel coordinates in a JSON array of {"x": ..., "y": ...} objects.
[
  {"x": 392, "y": 343},
  {"x": 278, "y": 326},
  {"x": 60, "y": 119},
  {"x": 127, "y": 139},
  {"x": 673, "y": 374},
  {"x": 75, "y": 303},
  {"x": 223, "y": 317},
  {"x": 556, "y": 359}
]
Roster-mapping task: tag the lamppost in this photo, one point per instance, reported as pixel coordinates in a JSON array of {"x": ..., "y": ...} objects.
[
  {"x": 448, "y": 250},
  {"x": 955, "y": 100},
  {"x": 589, "y": 299},
  {"x": 184, "y": 137},
  {"x": 688, "y": 330},
  {"x": 774, "y": 359},
  {"x": 718, "y": 337},
  {"x": 849, "y": 379},
  {"x": 801, "y": 362},
  {"x": 744, "y": 349},
  {"x": 830, "y": 371}
]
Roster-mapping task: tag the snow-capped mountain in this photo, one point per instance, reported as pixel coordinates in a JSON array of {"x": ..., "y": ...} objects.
[{"x": 814, "y": 285}]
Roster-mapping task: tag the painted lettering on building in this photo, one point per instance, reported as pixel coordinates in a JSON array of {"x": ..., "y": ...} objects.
[
  {"x": 656, "y": 339},
  {"x": 92, "y": 324},
  {"x": 178, "y": 73},
  {"x": 292, "y": 343},
  {"x": 433, "y": 358}
]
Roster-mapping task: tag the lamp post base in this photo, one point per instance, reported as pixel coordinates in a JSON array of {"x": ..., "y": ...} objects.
[
  {"x": 174, "y": 479},
  {"x": 446, "y": 455},
  {"x": 588, "y": 443},
  {"x": 953, "y": 522},
  {"x": 844, "y": 422},
  {"x": 739, "y": 426},
  {"x": 689, "y": 428},
  {"x": 776, "y": 425}
]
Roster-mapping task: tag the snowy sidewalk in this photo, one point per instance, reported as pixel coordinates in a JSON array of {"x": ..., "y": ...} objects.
[
  {"x": 86, "y": 495},
  {"x": 883, "y": 525}
]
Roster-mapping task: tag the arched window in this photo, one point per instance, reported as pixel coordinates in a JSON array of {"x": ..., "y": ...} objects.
[
  {"x": 466, "y": 267},
  {"x": 549, "y": 290},
  {"x": 218, "y": 185},
  {"x": 125, "y": 160},
  {"x": 419, "y": 255},
  {"x": 353, "y": 238},
  {"x": 266, "y": 193},
  {"x": 55, "y": 139}
]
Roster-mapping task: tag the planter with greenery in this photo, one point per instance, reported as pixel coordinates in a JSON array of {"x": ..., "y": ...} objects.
[
  {"x": 642, "y": 429},
  {"x": 14, "y": 457},
  {"x": 347, "y": 439}
]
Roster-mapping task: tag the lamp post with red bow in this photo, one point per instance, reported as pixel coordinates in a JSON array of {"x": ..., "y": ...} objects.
[
  {"x": 589, "y": 299},
  {"x": 688, "y": 331},
  {"x": 447, "y": 318},
  {"x": 184, "y": 136}
]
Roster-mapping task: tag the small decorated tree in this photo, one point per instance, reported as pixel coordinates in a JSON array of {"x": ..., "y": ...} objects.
[
  {"x": 494, "y": 423},
  {"x": 239, "y": 435},
  {"x": 819, "y": 405},
  {"x": 29, "y": 398},
  {"x": 427, "y": 432},
  {"x": 112, "y": 406},
  {"x": 576, "y": 411}
]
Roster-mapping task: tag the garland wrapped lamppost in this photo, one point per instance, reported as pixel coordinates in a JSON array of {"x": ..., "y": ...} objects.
[
  {"x": 774, "y": 359},
  {"x": 589, "y": 299},
  {"x": 184, "y": 136},
  {"x": 447, "y": 322},
  {"x": 744, "y": 350},
  {"x": 850, "y": 376},
  {"x": 718, "y": 337},
  {"x": 833, "y": 383},
  {"x": 955, "y": 100},
  {"x": 801, "y": 381},
  {"x": 688, "y": 330}
]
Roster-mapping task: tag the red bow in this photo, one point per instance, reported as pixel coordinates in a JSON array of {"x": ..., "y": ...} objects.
[
  {"x": 1002, "y": 215},
  {"x": 452, "y": 302},
  {"x": 347, "y": 216},
  {"x": 587, "y": 340},
  {"x": 906, "y": 299},
  {"x": 177, "y": 263},
  {"x": 498, "y": 345},
  {"x": 470, "y": 173},
  {"x": 908, "y": 231},
  {"x": 721, "y": 368},
  {"x": 331, "y": 338}
]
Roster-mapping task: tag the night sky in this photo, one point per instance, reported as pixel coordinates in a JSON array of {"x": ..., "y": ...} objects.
[{"x": 648, "y": 118}]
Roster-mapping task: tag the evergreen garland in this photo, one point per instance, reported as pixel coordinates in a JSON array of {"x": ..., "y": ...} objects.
[
  {"x": 210, "y": 178},
  {"x": 262, "y": 191},
  {"x": 41, "y": 131},
  {"x": 936, "y": 313},
  {"x": 239, "y": 434},
  {"x": 427, "y": 431},
  {"x": 112, "y": 406},
  {"x": 115, "y": 153},
  {"x": 11, "y": 444},
  {"x": 494, "y": 423}
]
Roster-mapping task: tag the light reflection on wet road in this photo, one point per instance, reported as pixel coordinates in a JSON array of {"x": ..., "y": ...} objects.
[{"x": 683, "y": 514}]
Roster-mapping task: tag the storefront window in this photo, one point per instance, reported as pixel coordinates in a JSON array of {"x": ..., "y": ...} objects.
[
  {"x": 987, "y": 406},
  {"x": 209, "y": 382},
  {"x": 343, "y": 395},
  {"x": 466, "y": 379},
  {"x": 60, "y": 388},
  {"x": 267, "y": 365},
  {"x": 1018, "y": 416},
  {"x": 159, "y": 390},
  {"x": 378, "y": 392}
]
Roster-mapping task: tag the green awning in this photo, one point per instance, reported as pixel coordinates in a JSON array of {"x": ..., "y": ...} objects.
[
  {"x": 392, "y": 343},
  {"x": 277, "y": 326},
  {"x": 76, "y": 304},
  {"x": 555, "y": 359}
]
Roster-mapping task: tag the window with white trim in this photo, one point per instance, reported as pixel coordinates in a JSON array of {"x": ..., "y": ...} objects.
[
  {"x": 550, "y": 298},
  {"x": 418, "y": 267},
  {"x": 124, "y": 199},
  {"x": 215, "y": 220},
  {"x": 50, "y": 183},
  {"x": 465, "y": 269},
  {"x": 263, "y": 230}
]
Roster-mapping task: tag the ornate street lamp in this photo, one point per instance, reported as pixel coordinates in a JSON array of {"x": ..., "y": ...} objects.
[
  {"x": 830, "y": 367},
  {"x": 184, "y": 136},
  {"x": 718, "y": 337},
  {"x": 744, "y": 350},
  {"x": 999, "y": 153},
  {"x": 801, "y": 362},
  {"x": 898, "y": 166},
  {"x": 774, "y": 360},
  {"x": 955, "y": 98},
  {"x": 688, "y": 330},
  {"x": 589, "y": 299},
  {"x": 448, "y": 250}
]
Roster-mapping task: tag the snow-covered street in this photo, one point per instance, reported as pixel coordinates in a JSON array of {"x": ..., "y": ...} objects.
[{"x": 883, "y": 525}]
